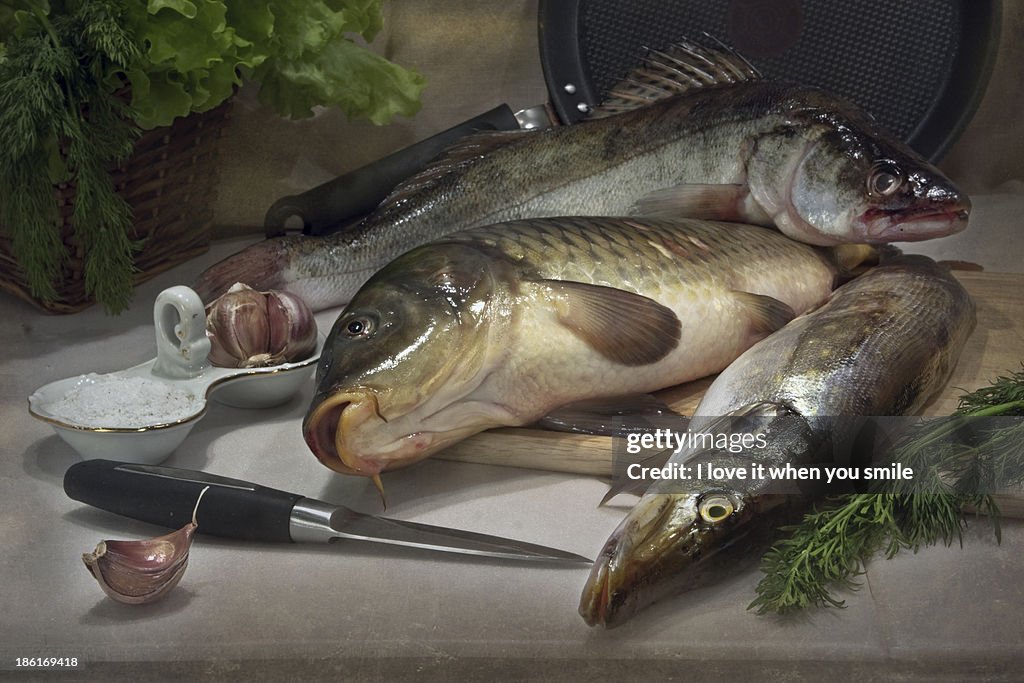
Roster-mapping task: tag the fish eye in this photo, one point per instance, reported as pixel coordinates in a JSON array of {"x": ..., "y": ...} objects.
[
  {"x": 885, "y": 178},
  {"x": 716, "y": 508},
  {"x": 359, "y": 327}
]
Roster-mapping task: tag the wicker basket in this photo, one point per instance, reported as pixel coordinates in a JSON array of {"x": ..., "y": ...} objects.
[{"x": 170, "y": 182}]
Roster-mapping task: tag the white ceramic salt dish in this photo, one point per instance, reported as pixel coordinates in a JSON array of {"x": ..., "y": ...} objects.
[{"x": 181, "y": 364}]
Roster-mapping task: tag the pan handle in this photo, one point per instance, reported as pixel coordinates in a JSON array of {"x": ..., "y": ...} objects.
[{"x": 325, "y": 208}]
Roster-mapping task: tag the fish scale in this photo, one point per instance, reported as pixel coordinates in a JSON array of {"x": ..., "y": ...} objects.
[
  {"x": 883, "y": 345},
  {"x": 905, "y": 316},
  {"x": 684, "y": 285},
  {"x": 499, "y": 325},
  {"x": 596, "y": 249},
  {"x": 739, "y": 149}
]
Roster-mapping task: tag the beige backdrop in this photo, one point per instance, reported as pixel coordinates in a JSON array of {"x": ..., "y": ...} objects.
[{"x": 477, "y": 55}]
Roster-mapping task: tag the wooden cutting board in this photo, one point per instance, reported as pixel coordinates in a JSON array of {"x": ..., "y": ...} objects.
[{"x": 996, "y": 347}]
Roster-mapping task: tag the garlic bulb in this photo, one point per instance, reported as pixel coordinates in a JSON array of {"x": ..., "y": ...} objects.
[
  {"x": 137, "y": 572},
  {"x": 249, "y": 329}
]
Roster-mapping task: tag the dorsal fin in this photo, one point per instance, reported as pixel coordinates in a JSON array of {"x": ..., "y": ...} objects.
[
  {"x": 457, "y": 157},
  {"x": 682, "y": 68}
]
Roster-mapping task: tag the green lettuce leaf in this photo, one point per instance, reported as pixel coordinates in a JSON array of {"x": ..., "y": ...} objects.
[
  {"x": 253, "y": 21},
  {"x": 183, "y": 7},
  {"x": 188, "y": 43},
  {"x": 345, "y": 75},
  {"x": 156, "y": 99},
  {"x": 195, "y": 53}
]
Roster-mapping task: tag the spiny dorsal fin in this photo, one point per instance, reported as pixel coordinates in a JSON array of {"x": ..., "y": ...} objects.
[
  {"x": 456, "y": 158},
  {"x": 682, "y": 68}
]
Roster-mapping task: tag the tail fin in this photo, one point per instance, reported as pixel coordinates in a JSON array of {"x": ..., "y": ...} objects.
[{"x": 261, "y": 266}]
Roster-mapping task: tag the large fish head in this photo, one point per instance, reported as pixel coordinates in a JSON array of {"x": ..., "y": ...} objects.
[
  {"x": 411, "y": 343},
  {"x": 688, "y": 532},
  {"x": 670, "y": 543},
  {"x": 846, "y": 180}
]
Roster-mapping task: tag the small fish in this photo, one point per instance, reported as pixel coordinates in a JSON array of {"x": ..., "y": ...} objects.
[
  {"x": 883, "y": 345},
  {"x": 497, "y": 326},
  {"x": 695, "y": 133}
]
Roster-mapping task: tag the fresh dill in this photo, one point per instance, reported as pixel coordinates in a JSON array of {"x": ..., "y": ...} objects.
[
  {"x": 57, "y": 113},
  {"x": 831, "y": 546},
  {"x": 67, "y": 67}
]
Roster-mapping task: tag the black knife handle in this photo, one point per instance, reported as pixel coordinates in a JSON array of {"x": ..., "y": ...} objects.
[
  {"x": 167, "y": 496},
  {"x": 325, "y": 207}
]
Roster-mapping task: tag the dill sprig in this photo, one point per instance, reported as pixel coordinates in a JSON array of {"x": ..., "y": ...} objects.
[
  {"x": 1004, "y": 396},
  {"x": 60, "y": 121},
  {"x": 831, "y": 546}
]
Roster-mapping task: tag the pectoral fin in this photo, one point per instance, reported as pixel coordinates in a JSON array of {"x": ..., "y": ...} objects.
[
  {"x": 765, "y": 313},
  {"x": 709, "y": 202},
  {"x": 853, "y": 260},
  {"x": 623, "y": 327}
]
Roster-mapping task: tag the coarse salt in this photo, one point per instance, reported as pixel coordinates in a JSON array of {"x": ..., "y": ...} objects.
[{"x": 124, "y": 402}]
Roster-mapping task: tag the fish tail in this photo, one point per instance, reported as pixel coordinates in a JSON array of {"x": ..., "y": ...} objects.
[{"x": 262, "y": 266}]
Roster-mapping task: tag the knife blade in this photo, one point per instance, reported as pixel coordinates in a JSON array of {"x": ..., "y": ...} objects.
[{"x": 233, "y": 508}]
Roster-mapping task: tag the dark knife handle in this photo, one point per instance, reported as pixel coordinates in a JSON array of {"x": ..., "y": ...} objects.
[
  {"x": 324, "y": 208},
  {"x": 167, "y": 496}
]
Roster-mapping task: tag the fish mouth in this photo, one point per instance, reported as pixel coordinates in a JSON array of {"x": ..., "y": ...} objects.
[
  {"x": 631, "y": 569},
  {"x": 348, "y": 434},
  {"x": 326, "y": 426},
  {"x": 915, "y": 224}
]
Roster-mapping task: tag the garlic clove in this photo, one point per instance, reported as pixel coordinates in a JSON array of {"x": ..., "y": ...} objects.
[
  {"x": 248, "y": 325},
  {"x": 280, "y": 319},
  {"x": 138, "y": 572},
  {"x": 292, "y": 326}
]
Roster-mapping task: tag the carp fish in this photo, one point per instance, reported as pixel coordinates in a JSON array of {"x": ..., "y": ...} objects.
[
  {"x": 695, "y": 132},
  {"x": 497, "y": 326},
  {"x": 883, "y": 345}
]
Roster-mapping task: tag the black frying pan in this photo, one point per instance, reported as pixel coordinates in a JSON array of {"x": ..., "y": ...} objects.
[{"x": 919, "y": 67}]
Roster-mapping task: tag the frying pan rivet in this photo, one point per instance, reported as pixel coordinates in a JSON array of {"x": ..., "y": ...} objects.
[
  {"x": 570, "y": 88},
  {"x": 583, "y": 107}
]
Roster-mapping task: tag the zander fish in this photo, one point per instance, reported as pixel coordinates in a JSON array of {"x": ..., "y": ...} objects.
[
  {"x": 497, "y": 326},
  {"x": 693, "y": 133},
  {"x": 884, "y": 344}
]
